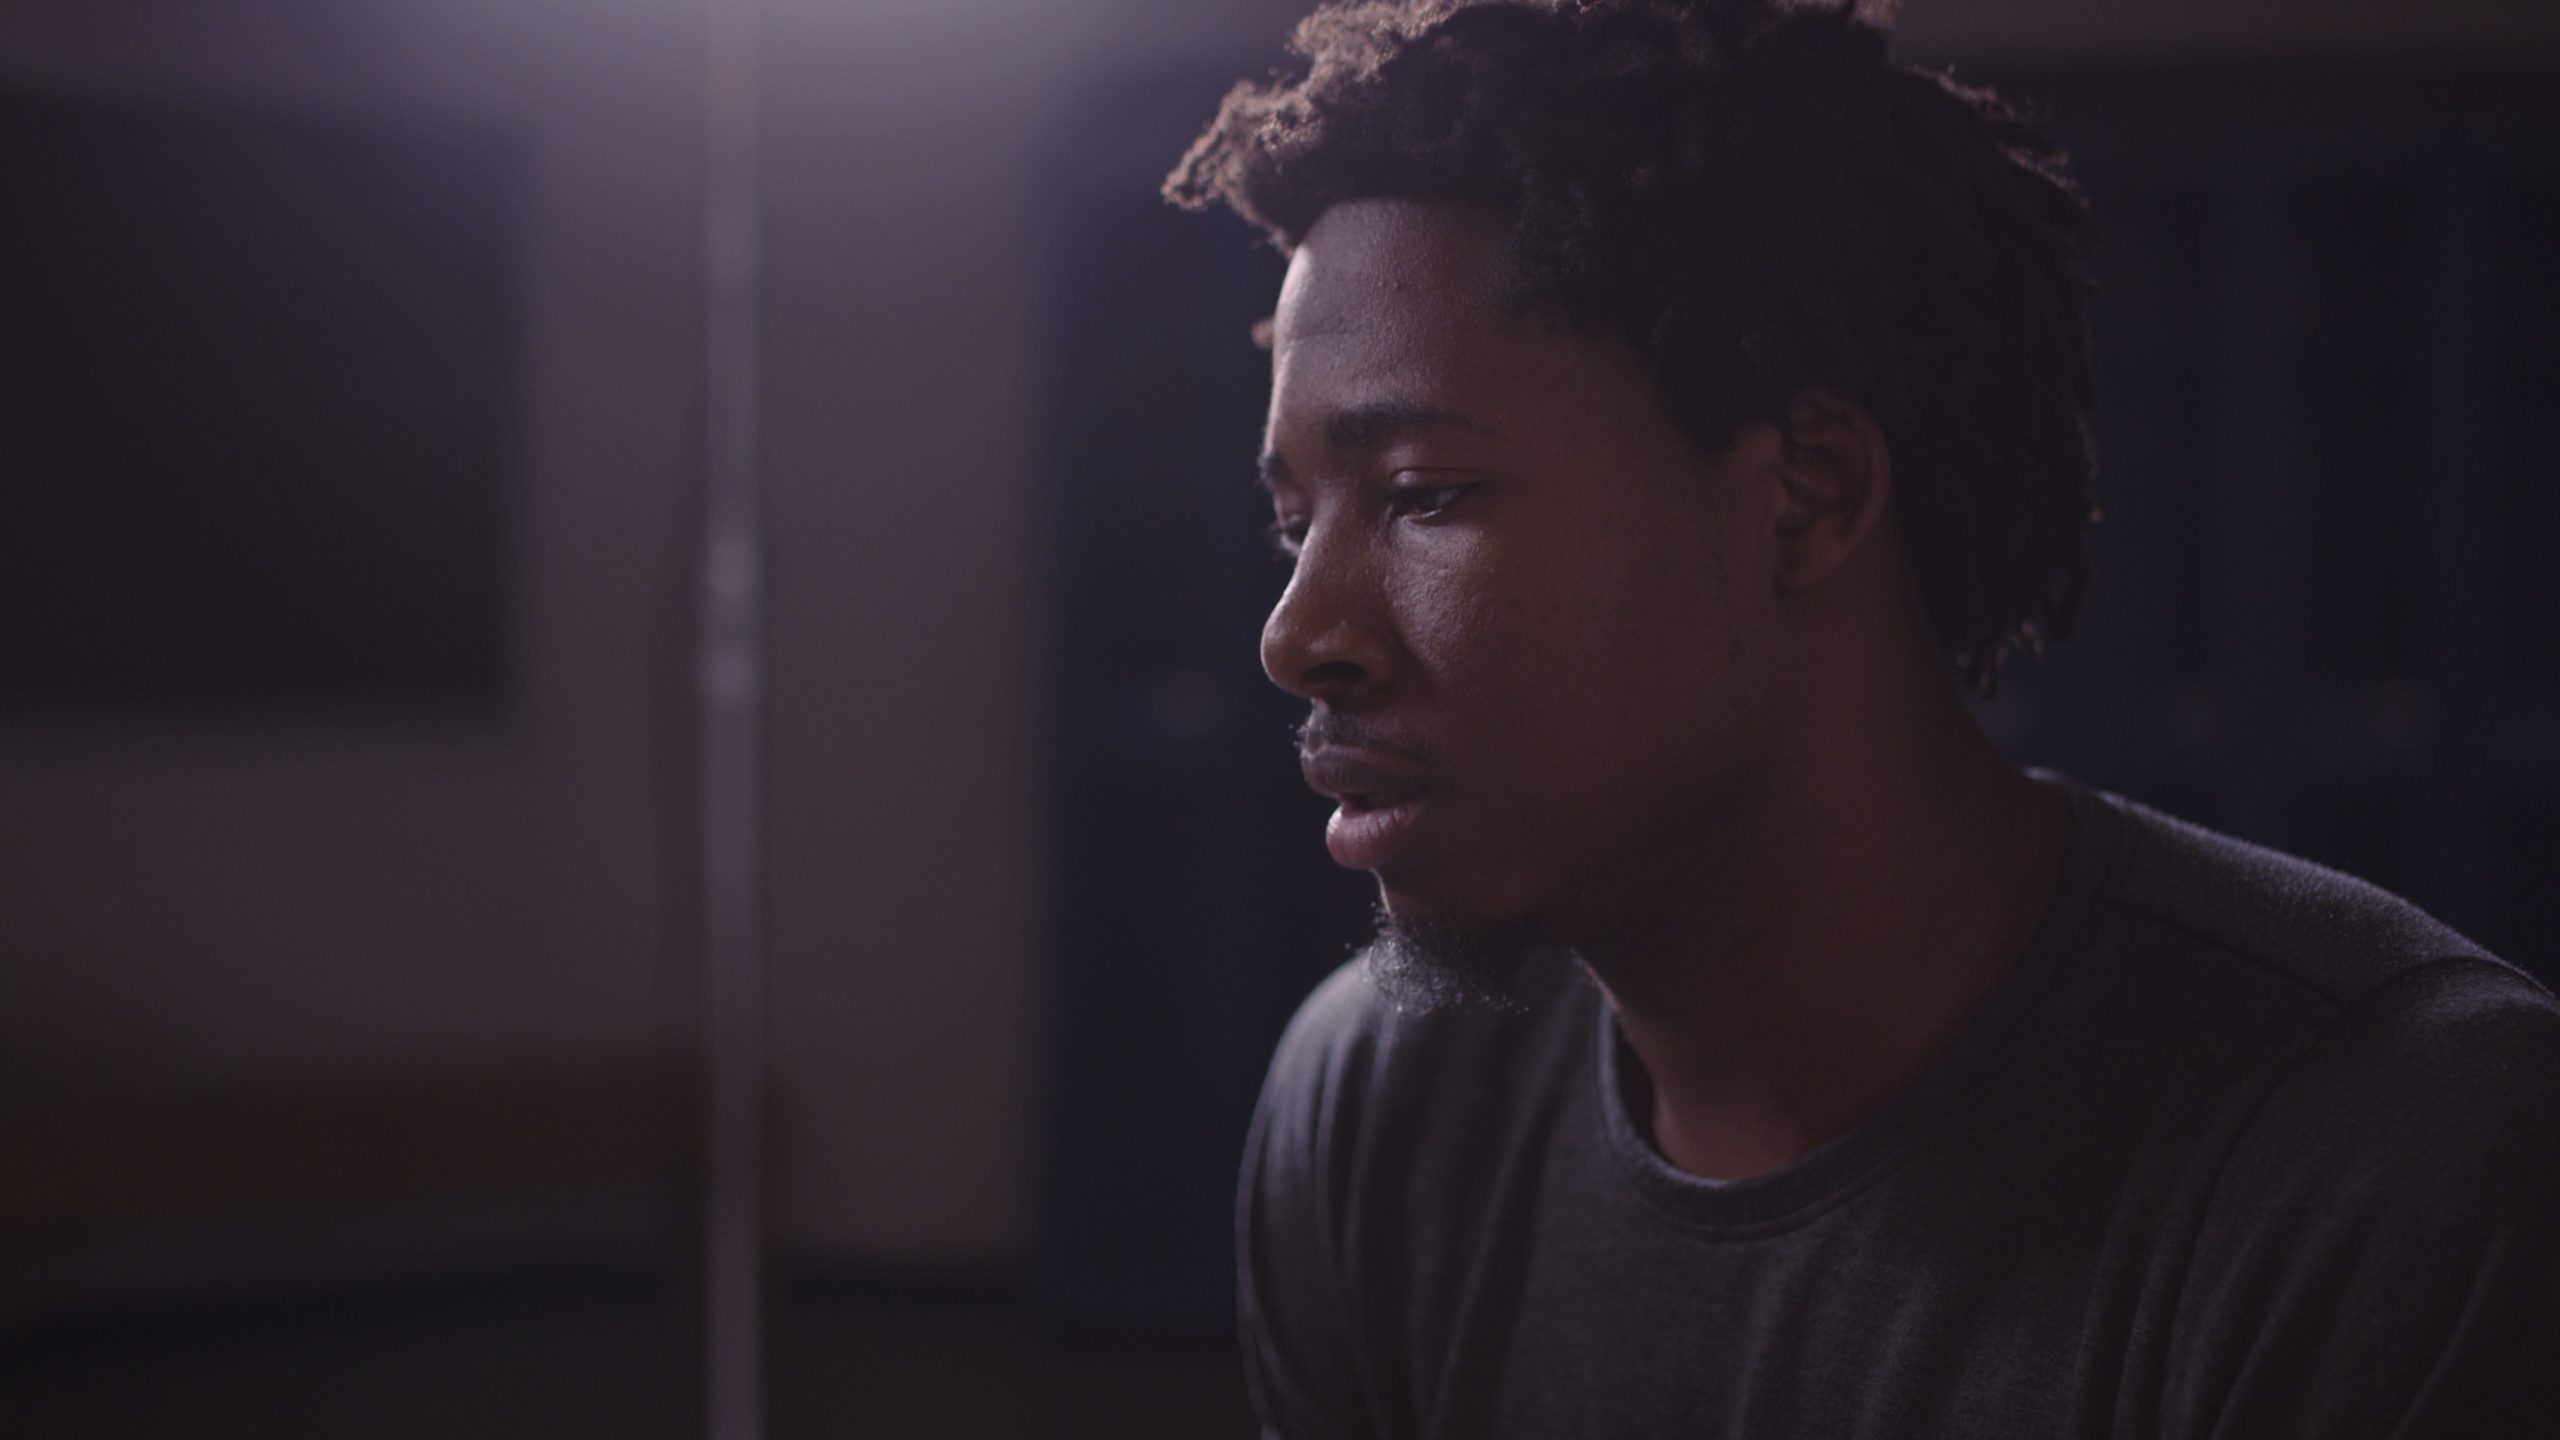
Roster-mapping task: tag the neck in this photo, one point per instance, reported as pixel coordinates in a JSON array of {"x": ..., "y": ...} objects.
[{"x": 1848, "y": 934}]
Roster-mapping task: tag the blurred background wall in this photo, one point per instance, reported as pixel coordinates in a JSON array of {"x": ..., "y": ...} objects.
[
  {"x": 370, "y": 990},
  {"x": 226, "y": 890}
]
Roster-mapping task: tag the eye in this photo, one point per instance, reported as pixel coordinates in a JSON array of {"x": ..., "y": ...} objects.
[
  {"x": 1286, "y": 534},
  {"x": 1426, "y": 498}
]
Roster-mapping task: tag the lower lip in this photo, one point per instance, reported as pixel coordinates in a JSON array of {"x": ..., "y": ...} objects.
[{"x": 1366, "y": 839}]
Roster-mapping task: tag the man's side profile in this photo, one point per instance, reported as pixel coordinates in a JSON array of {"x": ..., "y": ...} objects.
[{"x": 1675, "y": 408}]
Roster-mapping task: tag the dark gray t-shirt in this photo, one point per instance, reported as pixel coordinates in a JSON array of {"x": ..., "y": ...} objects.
[{"x": 2240, "y": 1148}]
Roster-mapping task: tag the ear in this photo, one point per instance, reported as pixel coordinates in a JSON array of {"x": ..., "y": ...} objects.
[{"x": 1837, "y": 476}]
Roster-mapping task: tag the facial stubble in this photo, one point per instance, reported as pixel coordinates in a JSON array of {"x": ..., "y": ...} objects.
[{"x": 1424, "y": 964}]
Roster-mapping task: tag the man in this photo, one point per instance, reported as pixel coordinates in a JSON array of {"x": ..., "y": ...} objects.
[{"x": 1672, "y": 403}]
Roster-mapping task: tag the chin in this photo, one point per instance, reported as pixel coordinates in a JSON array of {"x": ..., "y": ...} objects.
[
  {"x": 1466, "y": 894},
  {"x": 1431, "y": 955}
]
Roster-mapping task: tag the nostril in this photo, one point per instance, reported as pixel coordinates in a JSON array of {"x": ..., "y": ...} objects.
[{"x": 1332, "y": 674}]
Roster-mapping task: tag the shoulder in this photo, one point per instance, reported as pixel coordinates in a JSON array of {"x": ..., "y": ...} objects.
[
  {"x": 2330, "y": 934},
  {"x": 2378, "y": 1251},
  {"x": 2396, "y": 1023},
  {"x": 2433, "y": 1092},
  {"x": 2375, "y": 1211}
]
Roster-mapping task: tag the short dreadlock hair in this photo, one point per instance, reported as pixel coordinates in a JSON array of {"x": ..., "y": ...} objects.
[{"x": 1759, "y": 199}]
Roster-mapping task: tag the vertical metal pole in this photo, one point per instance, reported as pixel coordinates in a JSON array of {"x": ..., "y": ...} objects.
[{"x": 732, "y": 691}]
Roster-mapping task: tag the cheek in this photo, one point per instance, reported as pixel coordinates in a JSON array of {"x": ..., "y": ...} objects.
[
  {"x": 1460, "y": 603},
  {"x": 1628, "y": 678},
  {"x": 1561, "y": 657}
]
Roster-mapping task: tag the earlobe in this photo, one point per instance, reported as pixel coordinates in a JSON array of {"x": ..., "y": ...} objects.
[{"x": 1836, "y": 477}]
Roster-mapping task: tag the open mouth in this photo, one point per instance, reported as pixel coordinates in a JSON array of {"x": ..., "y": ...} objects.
[
  {"x": 1376, "y": 803},
  {"x": 1364, "y": 836}
]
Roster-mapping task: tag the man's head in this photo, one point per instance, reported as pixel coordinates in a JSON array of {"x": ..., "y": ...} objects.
[{"x": 1637, "y": 362}]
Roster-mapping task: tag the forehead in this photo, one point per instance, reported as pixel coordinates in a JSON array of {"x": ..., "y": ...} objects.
[
  {"x": 1366, "y": 261},
  {"x": 1401, "y": 303},
  {"x": 1388, "y": 292}
]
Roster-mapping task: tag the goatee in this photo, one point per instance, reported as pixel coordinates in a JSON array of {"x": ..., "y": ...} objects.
[{"x": 1426, "y": 964}]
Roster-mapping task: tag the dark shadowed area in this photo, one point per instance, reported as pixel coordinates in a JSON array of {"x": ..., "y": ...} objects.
[{"x": 352, "y": 453}]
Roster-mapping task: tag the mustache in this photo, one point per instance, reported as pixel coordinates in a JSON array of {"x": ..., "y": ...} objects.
[{"x": 1329, "y": 729}]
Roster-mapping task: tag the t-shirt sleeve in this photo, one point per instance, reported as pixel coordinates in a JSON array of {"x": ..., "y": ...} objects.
[
  {"x": 2380, "y": 1258},
  {"x": 1301, "y": 1346}
]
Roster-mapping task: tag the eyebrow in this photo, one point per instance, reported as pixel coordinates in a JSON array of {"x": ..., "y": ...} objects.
[{"x": 1367, "y": 427}]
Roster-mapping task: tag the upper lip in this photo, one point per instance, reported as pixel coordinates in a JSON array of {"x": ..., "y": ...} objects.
[{"x": 1359, "y": 779}]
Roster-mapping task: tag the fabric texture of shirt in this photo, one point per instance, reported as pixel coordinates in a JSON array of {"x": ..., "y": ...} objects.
[{"x": 2239, "y": 1148}]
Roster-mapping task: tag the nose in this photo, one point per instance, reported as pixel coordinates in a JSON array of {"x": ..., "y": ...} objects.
[{"x": 1329, "y": 638}]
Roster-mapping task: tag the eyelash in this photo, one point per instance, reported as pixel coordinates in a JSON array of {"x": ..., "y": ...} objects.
[
  {"x": 1285, "y": 536},
  {"x": 1418, "y": 502},
  {"x": 1410, "y": 499}
]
